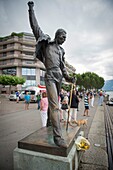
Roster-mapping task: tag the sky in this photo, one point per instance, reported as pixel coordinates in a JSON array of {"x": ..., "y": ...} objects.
[{"x": 88, "y": 23}]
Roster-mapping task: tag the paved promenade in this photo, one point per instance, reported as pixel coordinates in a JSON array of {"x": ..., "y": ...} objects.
[
  {"x": 96, "y": 157},
  {"x": 16, "y": 123}
]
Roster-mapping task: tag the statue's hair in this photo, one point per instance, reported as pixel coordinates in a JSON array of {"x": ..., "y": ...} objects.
[{"x": 59, "y": 31}]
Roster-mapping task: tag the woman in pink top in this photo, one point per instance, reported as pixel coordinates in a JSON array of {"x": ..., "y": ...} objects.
[{"x": 44, "y": 108}]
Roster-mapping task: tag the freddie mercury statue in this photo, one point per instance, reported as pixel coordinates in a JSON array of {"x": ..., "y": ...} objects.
[{"x": 51, "y": 54}]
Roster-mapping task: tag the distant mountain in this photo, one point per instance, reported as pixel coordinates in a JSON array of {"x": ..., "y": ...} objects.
[{"x": 108, "y": 86}]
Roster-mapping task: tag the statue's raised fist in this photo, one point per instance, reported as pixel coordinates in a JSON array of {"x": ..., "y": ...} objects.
[{"x": 30, "y": 4}]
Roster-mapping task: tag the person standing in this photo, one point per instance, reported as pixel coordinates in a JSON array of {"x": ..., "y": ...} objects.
[
  {"x": 61, "y": 97},
  {"x": 77, "y": 93},
  {"x": 92, "y": 98},
  {"x": 27, "y": 98},
  {"x": 17, "y": 96},
  {"x": 44, "y": 108},
  {"x": 101, "y": 98},
  {"x": 51, "y": 54},
  {"x": 73, "y": 107},
  {"x": 65, "y": 108},
  {"x": 38, "y": 100},
  {"x": 86, "y": 104}
]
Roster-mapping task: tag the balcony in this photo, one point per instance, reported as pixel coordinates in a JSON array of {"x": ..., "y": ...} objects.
[
  {"x": 10, "y": 48},
  {"x": 9, "y": 56},
  {"x": 8, "y": 40},
  {"x": 29, "y": 49}
]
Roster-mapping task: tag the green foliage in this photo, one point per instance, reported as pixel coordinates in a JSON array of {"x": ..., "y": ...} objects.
[
  {"x": 72, "y": 75},
  {"x": 4, "y": 79},
  {"x": 79, "y": 80},
  {"x": 1, "y": 38},
  {"x": 89, "y": 80},
  {"x": 17, "y": 34},
  {"x": 66, "y": 87},
  {"x": 11, "y": 80},
  {"x": 21, "y": 80},
  {"x": 13, "y": 34}
]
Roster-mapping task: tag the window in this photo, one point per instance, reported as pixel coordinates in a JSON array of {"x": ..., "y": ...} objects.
[
  {"x": 42, "y": 73},
  {"x": 28, "y": 53},
  {"x": 29, "y": 62},
  {"x": 4, "y": 62},
  {"x": 9, "y": 71},
  {"x": 11, "y": 60},
  {"x": 42, "y": 80},
  {"x": 12, "y": 52},
  {"x": 28, "y": 71},
  {"x": 11, "y": 44},
  {"x": 32, "y": 92},
  {"x": 33, "y": 72},
  {"x": 24, "y": 71},
  {"x": 4, "y": 54},
  {"x": 30, "y": 76},
  {"x": 29, "y": 83},
  {"x": 4, "y": 46}
]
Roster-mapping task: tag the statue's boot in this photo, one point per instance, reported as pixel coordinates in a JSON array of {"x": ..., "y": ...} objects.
[
  {"x": 60, "y": 142},
  {"x": 57, "y": 131}
]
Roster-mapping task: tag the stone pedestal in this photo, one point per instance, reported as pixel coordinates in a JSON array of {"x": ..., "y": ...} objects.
[{"x": 38, "y": 151}]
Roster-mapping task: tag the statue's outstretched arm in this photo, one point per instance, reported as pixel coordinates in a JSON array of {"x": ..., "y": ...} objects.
[{"x": 33, "y": 21}]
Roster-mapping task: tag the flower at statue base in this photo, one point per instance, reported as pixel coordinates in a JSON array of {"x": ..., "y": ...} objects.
[{"x": 82, "y": 143}]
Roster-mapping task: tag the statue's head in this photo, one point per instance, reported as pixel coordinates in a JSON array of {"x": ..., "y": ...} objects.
[{"x": 60, "y": 36}]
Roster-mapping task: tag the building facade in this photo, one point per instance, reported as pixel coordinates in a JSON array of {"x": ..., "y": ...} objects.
[{"x": 17, "y": 58}]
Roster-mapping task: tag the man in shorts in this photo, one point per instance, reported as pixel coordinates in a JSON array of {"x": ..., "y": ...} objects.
[{"x": 86, "y": 104}]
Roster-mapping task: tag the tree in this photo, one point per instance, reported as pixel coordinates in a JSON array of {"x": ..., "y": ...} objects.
[
  {"x": 11, "y": 80},
  {"x": 90, "y": 80},
  {"x": 101, "y": 82}
]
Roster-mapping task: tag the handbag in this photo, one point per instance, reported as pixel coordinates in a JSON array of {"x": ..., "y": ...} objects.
[{"x": 64, "y": 106}]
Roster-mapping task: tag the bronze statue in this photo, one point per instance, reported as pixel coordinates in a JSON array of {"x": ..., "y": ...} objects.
[{"x": 52, "y": 56}]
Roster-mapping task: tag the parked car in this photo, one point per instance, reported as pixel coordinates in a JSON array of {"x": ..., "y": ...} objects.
[
  {"x": 12, "y": 96},
  {"x": 109, "y": 98},
  {"x": 110, "y": 102}
]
